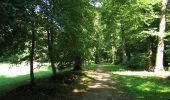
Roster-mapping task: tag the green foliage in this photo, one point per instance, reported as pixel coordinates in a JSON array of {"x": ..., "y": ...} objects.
[{"x": 138, "y": 61}]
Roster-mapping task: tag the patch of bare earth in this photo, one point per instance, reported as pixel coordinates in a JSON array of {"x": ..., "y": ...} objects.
[{"x": 103, "y": 87}]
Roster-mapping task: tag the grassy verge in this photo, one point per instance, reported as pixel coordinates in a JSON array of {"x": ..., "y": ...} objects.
[
  {"x": 144, "y": 87},
  {"x": 11, "y": 78},
  {"x": 67, "y": 85},
  {"x": 140, "y": 85}
]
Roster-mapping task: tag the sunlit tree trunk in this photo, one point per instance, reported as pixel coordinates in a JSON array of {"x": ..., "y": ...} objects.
[
  {"x": 32, "y": 56},
  {"x": 160, "y": 49}
]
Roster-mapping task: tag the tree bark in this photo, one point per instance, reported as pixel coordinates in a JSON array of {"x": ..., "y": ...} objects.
[
  {"x": 150, "y": 64},
  {"x": 124, "y": 54},
  {"x": 113, "y": 54},
  {"x": 32, "y": 57},
  {"x": 78, "y": 63},
  {"x": 50, "y": 51},
  {"x": 160, "y": 49}
]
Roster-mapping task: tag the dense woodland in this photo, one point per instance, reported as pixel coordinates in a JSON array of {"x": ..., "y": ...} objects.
[{"x": 71, "y": 33}]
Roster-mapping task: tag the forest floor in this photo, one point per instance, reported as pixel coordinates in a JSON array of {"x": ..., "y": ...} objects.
[{"x": 96, "y": 82}]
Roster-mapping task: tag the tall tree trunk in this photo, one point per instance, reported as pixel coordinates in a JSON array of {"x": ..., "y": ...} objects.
[
  {"x": 50, "y": 51},
  {"x": 124, "y": 54},
  {"x": 32, "y": 57},
  {"x": 52, "y": 54},
  {"x": 113, "y": 54},
  {"x": 160, "y": 49},
  {"x": 150, "y": 64},
  {"x": 50, "y": 43}
]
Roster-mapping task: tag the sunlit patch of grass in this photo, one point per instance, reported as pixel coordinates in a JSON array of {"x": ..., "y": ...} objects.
[
  {"x": 143, "y": 86},
  {"x": 111, "y": 67},
  {"x": 16, "y": 76},
  {"x": 90, "y": 67}
]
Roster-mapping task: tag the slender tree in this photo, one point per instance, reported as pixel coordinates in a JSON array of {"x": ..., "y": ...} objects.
[
  {"x": 50, "y": 50},
  {"x": 124, "y": 53},
  {"x": 32, "y": 51},
  {"x": 150, "y": 54}
]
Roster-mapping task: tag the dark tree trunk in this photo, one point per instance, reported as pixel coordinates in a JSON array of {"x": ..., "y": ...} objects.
[
  {"x": 150, "y": 60},
  {"x": 124, "y": 53},
  {"x": 97, "y": 57},
  {"x": 50, "y": 51},
  {"x": 32, "y": 57},
  {"x": 160, "y": 49},
  {"x": 128, "y": 54},
  {"x": 78, "y": 63}
]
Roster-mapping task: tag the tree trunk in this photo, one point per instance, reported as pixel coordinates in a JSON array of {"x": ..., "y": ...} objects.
[
  {"x": 160, "y": 49},
  {"x": 124, "y": 55},
  {"x": 32, "y": 57},
  {"x": 97, "y": 59},
  {"x": 50, "y": 51},
  {"x": 150, "y": 64},
  {"x": 113, "y": 54},
  {"x": 78, "y": 63}
]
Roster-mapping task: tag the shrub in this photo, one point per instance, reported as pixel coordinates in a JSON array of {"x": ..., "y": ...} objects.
[{"x": 138, "y": 61}]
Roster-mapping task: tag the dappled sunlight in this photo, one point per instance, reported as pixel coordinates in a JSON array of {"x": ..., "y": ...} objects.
[
  {"x": 101, "y": 79},
  {"x": 147, "y": 86},
  {"x": 78, "y": 90},
  {"x": 143, "y": 85},
  {"x": 98, "y": 85}
]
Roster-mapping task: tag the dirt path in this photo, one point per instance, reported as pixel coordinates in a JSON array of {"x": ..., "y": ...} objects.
[{"x": 103, "y": 88}]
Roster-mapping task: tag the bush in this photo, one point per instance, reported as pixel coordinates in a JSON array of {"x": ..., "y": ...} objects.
[{"x": 138, "y": 61}]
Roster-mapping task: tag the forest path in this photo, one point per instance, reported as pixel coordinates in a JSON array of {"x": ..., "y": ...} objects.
[{"x": 102, "y": 87}]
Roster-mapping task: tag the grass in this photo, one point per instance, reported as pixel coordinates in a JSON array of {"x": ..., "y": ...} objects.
[
  {"x": 141, "y": 85},
  {"x": 14, "y": 83},
  {"x": 11, "y": 78},
  {"x": 89, "y": 67},
  {"x": 144, "y": 88},
  {"x": 113, "y": 68},
  {"x": 15, "y": 86}
]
